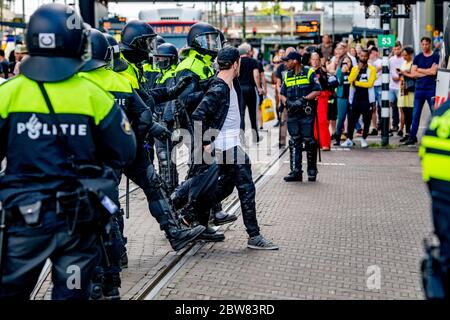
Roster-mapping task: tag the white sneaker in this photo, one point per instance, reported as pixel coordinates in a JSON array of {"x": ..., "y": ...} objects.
[
  {"x": 347, "y": 144},
  {"x": 364, "y": 143}
]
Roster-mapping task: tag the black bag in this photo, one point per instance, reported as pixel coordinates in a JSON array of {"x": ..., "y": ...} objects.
[{"x": 409, "y": 84}]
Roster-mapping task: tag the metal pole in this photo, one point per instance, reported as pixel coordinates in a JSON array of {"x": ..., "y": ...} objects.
[
  {"x": 385, "y": 20},
  {"x": 1, "y": 19},
  {"x": 23, "y": 10},
  {"x": 243, "y": 21},
  {"x": 220, "y": 16},
  {"x": 332, "y": 20}
]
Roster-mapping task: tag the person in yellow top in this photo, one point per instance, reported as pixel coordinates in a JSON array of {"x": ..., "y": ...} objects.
[{"x": 362, "y": 97}]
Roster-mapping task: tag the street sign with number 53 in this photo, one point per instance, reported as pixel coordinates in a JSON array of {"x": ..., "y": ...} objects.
[{"x": 386, "y": 41}]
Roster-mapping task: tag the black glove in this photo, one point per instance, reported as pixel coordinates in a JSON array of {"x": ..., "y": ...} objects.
[
  {"x": 159, "y": 132},
  {"x": 177, "y": 89}
]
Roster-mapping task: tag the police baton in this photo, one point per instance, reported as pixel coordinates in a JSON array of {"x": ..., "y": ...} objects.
[
  {"x": 169, "y": 164},
  {"x": 318, "y": 134},
  {"x": 127, "y": 198}
]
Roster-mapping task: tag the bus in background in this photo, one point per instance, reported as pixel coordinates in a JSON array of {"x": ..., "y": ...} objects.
[
  {"x": 113, "y": 25},
  {"x": 173, "y": 24}
]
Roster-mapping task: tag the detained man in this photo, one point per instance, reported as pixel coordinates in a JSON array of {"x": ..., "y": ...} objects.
[{"x": 218, "y": 113}]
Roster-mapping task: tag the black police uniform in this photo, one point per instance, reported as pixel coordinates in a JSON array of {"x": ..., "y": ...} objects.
[
  {"x": 142, "y": 171},
  {"x": 44, "y": 150},
  {"x": 435, "y": 155},
  {"x": 165, "y": 60},
  {"x": 301, "y": 116}
]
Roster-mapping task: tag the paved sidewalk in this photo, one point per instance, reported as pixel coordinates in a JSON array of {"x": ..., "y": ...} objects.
[{"x": 368, "y": 208}]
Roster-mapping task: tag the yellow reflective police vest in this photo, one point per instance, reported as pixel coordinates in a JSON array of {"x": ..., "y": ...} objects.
[
  {"x": 80, "y": 97},
  {"x": 132, "y": 74},
  {"x": 198, "y": 64},
  {"x": 297, "y": 80},
  {"x": 435, "y": 146},
  {"x": 167, "y": 74},
  {"x": 149, "y": 68},
  {"x": 108, "y": 80}
]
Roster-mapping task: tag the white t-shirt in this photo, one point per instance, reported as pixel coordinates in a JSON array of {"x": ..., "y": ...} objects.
[
  {"x": 378, "y": 64},
  {"x": 394, "y": 63},
  {"x": 229, "y": 135}
]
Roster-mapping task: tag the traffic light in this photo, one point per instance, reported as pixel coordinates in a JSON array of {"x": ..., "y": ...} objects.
[{"x": 254, "y": 31}]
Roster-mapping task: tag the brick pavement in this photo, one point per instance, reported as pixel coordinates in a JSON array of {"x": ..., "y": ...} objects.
[{"x": 368, "y": 208}]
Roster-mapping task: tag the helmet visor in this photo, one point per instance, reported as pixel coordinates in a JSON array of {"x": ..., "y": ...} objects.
[
  {"x": 146, "y": 43},
  {"x": 109, "y": 56},
  {"x": 209, "y": 41},
  {"x": 162, "y": 61}
]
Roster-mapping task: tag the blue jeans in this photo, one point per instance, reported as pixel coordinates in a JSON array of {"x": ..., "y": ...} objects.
[
  {"x": 419, "y": 100},
  {"x": 393, "y": 98},
  {"x": 342, "y": 106}
]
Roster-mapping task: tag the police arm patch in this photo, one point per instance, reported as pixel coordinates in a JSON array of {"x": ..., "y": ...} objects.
[{"x": 125, "y": 124}]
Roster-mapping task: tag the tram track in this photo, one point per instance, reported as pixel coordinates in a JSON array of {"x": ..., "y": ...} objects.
[{"x": 151, "y": 288}]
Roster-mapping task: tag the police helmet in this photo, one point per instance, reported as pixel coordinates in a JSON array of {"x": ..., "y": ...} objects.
[
  {"x": 58, "y": 43},
  {"x": 223, "y": 40},
  {"x": 204, "y": 38},
  {"x": 159, "y": 40},
  {"x": 118, "y": 64},
  {"x": 165, "y": 57},
  {"x": 139, "y": 36},
  {"x": 102, "y": 54}
]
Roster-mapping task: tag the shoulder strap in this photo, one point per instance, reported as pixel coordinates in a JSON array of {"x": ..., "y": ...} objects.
[{"x": 62, "y": 138}]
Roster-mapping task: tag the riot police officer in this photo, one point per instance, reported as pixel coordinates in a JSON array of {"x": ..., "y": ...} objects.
[
  {"x": 435, "y": 155},
  {"x": 165, "y": 60},
  {"x": 203, "y": 42},
  {"x": 141, "y": 171},
  {"x": 151, "y": 72},
  {"x": 137, "y": 45},
  {"x": 56, "y": 142},
  {"x": 298, "y": 92}
]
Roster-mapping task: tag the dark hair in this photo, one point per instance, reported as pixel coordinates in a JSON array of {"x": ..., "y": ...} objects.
[
  {"x": 373, "y": 49},
  {"x": 408, "y": 50},
  {"x": 398, "y": 43},
  {"x": 427, "y": 39},
  {"x": 2, "y": 53},
  {"x": 365, "y": 51},
  {"x": 227, "y": 57},
  {"x": 370, "y": 43}
]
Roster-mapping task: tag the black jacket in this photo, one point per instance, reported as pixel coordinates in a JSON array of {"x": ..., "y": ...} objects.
[{"x": 213, "y": 108}]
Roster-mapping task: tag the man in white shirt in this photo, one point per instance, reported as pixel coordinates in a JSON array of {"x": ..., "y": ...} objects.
[
  {"x": 219, "y": 112},
  {"x": 395, "y": 62}
]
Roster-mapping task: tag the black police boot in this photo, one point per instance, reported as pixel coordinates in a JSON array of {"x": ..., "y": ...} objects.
[
  {"x": 97, "y": 284},
  {"x": 111, "y": 285},
  {"x": 211, "y": 235},
  {"x": 124, "y": 259},
  {"x": 295, "y": 163},
  {"x": 312, "y": 175},
  {"x": 181, "y": 237},
  {"x": 178, "y": 236},
  {"x": 221, "y": 217},
  {"x": 312, "y": 164},
  {"x": 294, "y": 175}
]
